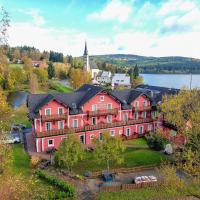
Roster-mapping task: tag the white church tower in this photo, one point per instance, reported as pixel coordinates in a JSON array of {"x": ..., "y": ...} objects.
[{"x": 86, "y": 65}]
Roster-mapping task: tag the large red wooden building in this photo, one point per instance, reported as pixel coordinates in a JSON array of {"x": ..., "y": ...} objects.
[{"x": 88, "y": 113}]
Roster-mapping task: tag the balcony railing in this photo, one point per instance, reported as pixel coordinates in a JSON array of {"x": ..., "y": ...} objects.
[
  {"x": 142, "y": 108},
  {"x": 51, "y": 118},
  {"x": 94, "y": 127},
  {"x": 103, "y": 112}
]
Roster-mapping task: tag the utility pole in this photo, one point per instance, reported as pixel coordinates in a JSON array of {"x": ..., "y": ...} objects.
[{"x": 191, "y": 79}]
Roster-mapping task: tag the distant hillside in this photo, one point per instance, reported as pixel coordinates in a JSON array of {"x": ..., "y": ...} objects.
[{"x": 171, "y": 64}]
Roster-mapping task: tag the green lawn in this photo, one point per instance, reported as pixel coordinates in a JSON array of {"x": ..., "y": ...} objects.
[
  {"x": 21, "y": 162},
  {"x": 58, "y": 87},
  {"x": 137, "y": 143},
  {"x": 21, "y": 165},
  {"x": 16, "y": 65},
  {"x": 132, "y": 158},
  {"x": 141, "y": 194}
]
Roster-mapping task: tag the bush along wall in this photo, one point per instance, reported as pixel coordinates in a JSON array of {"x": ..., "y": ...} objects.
[
  {"x": 156, "y": 142},
  {"x": 66, "y": 190}
]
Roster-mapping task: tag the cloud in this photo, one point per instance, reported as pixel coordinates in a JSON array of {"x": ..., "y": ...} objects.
[
  {"x": 152, "y": 31},
  {"x": 35, "y": 14},
  {"x": 114, "y": 10},
  {"x": 178, "y": 6}
]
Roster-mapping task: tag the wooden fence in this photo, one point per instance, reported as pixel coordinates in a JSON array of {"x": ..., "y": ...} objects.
[
  {"x": 124, "y": 170},
  {"x": 124, "y": 187}
]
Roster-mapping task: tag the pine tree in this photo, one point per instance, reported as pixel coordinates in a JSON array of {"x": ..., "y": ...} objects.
[
  {"x": 136, "y": 71},
  {"x": 51, "y": 70}
]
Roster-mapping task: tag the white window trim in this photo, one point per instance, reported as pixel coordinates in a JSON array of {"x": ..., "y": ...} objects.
[
  {"x": 128, "y": 131},
  {"x": 91, "y": 136},
  {"x": 62, "y": 109},
  {"x": 94, "y": 105},
  {"x": 95, "y": 120},
  {"x": 110, "y": 118},
  {"x": 45, "y": 111},
  {"x": 74, "y": 122},
  {"x": 83, "y": 139},
  {"x": 150, "y": 127},
  {"x": 125, "y": 118},
  {"x": 101, "y": 98},
  {"x": 136, "y": 104},
  {"x": 51, "y": 145},
  {"x": 46, "y": 126},
  {"x": 136, "y": 118},
  {"x": 108, "y": 106},
  {"x": 63, "y": 125},
  {"x": 142, "y": 130},
  {"x": 112, "y": 133},
  {"x": 120, "y": 132},
  {"x": 144, "y": 114}
]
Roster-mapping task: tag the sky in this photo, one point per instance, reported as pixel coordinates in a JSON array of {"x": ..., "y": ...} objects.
[{"x": 141, "y": 27}]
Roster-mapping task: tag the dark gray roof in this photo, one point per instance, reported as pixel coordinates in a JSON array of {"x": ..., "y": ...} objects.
[
  {"x": 76, "y": 100},
  {"x": 157, "y": 92},
  {"x": 127, "y": 96},
  {"x": 93, "y": 65},
  {"x": 73, "y": 100}
]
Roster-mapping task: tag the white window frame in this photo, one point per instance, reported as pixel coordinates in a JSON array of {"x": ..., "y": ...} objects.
[
  {"x": 150, "y": 127},
  {"x": 109, "y": 117},
  {"x": 59, "y": 127},
  {"x": 136, "y": 118},
  {"x": 144, "y": 114},
  {"x": 136, "y": 104},
  {"x": 112, "y": 133},
  {"x": 128, "y": 130},
  {"x": 142, "y": 130},
  {"x": 91, "y": 136},
  {"x": 62, "y": 110},
  {"x": 83, "y": 138},
  {"x": 46, "y": 126},
  {"x": 95, "y": 121},
  {"x": 45, "y": 111},
  {"x": 51, "y": 145},
  {"x": 94, "y": 107},
  {"x": 73, "y": 123},
  {"x": 125, "y": 118},
  {"x": 120, "y": 132},
  {"x": 144, "y": 103},
  {"x": 109, "y": 104},
  {"x": 101, "y": 98}
]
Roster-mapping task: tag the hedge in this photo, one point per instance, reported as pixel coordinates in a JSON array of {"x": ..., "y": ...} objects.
[{"x": 66, "y": 190}]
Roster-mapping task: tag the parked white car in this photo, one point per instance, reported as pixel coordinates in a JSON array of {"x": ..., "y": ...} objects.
[
  {"x": 12, "y": 139},
  {"x": 144, "y": 179}
]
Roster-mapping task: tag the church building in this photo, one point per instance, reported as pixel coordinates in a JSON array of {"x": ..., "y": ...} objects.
[{"x": 89, "y": 66}]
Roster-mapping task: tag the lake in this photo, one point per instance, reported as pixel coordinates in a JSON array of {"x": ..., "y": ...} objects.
[
  {"x": 17, "y": 99},
  {"x": 172, "y": 80}
]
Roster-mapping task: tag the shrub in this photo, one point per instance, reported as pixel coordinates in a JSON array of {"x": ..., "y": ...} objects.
[
  {"x": 65, "y": 188},
  {"x": 156, "y": 141},
  {"x": 35, "y": 160},
  {"x": 170, "y": 178}
]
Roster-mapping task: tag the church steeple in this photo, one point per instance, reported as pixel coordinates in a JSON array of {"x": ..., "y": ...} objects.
[
  {"x": 86, "y": 66},
  {"x": 85, "y": 51}
]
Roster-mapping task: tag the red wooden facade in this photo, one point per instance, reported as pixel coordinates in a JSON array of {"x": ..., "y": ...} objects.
[{"x": 100, "y": 113}]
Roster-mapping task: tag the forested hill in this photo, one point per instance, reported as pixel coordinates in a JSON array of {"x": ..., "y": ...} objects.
[{"x": 171, "y": 64}]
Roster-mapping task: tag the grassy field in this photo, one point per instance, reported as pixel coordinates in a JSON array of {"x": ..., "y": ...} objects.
[
  {"x": 132, "y": 158},
  {"x": 16, "y": 65},
  {"x": 21, "y": 166},
  {"x": 21, "y": 162},
  {"x": 58, "y": 87},
  {"x": 137, "y": 143},
  {"x": 141, "y": 194}
]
